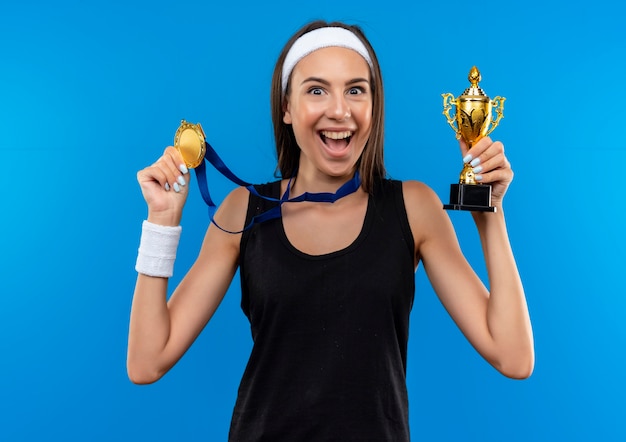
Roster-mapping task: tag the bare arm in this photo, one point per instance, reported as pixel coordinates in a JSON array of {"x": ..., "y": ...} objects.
[
  {"x": 161, "y": 331},
  {"x": 495, "y": 321},
  {"x": 508, "y": 320}
]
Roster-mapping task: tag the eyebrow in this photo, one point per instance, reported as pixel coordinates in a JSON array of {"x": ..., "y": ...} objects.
[{"x": 327, "y": 83}]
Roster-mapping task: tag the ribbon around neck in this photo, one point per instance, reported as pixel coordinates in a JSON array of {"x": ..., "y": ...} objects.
[{"x": 322, "y": 197}]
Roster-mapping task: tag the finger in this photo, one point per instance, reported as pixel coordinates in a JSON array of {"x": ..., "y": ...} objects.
[
  {"x": 495, "y": 176},
  {"x": 171, "y": 173},
  {"x": 152, "y": 174},
  {"x": 483, "y": 151},
  {"x": 177, "y": 159},
  {"x": 499, "y": 161},
  {"x": 171, "y": 165},
  {"x": 479, "y": 147},
  {"x": 494, "y": 169}
]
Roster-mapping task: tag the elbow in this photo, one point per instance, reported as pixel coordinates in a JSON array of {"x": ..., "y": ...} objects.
[
  {"x": 140, "y": 374},
  {"x": 519, "y": 368},
  {"x": 139, "y": 378},
  {"x": 519, "y": 373}
]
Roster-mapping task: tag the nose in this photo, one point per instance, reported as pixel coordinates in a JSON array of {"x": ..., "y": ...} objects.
[{"x": 338, "y": 108}]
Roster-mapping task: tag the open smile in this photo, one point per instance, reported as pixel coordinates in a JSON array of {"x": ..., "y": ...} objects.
[{"x": 336, "y": 141}]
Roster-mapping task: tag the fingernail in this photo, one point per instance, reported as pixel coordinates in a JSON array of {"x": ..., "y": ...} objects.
[
  {"x": 478, "y": 177},
  {"x": 475, "y": 162},
  {"x": 467, "y": 158},
  {"x": 167, "y": 186},
  {"x": 183, "y": 169},
  {"x": 176, "y": 188},
  {"x": 477, "y": 169},
  {"x": 181, "y": 181}
]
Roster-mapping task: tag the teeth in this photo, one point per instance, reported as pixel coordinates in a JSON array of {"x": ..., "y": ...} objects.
[{"x": 337, "y": 135}]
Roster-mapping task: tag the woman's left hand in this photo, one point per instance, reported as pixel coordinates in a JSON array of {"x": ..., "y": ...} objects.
[{"x": 490, "y": 166}]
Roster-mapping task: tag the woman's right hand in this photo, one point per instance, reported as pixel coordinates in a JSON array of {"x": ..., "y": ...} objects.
[{"x": 164, "y": 186}]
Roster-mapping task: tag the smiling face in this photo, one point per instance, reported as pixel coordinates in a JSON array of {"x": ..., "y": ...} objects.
[{"x": 330, "y": 109}]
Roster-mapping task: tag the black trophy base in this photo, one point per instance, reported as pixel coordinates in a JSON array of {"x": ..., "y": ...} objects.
[{"x": 472, "y": 197}]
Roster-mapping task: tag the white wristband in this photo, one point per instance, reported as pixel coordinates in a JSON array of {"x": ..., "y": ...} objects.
[{"x": 157, "y": 249}]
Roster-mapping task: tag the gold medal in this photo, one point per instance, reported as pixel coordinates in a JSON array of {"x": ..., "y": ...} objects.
[{"x": 190, "y": 143}]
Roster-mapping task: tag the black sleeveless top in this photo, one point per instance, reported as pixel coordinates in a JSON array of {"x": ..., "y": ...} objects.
[{"x": 330, "y": 332}]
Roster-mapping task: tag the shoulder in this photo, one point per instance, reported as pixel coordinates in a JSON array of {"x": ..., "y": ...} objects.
[
  {"x": 424, "y": 210},
  {"x": 220, "y": 248},
  {"x": 420, "y": 200},
  {"x": 237, "y": 199},
  {"x": 410, "y": 188},
  {"x": 242, "y": 203},
  {"x": 231, "y": 214},
  {"x": 419, "y": 195},
  {"x": 416, "y": 196}
]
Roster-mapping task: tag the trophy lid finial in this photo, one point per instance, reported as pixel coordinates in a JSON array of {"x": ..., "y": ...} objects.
[{"x": 474, "y": 77}]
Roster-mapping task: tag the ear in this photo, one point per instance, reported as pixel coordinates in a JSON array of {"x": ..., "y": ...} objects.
[{"x": 287, "y": 112}]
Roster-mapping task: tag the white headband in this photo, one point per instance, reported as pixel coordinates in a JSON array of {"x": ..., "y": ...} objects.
[{"x": 318, "y": 39}]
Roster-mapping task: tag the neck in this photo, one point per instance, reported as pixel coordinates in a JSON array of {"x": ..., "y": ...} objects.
[{"x": 318, "y": 182}]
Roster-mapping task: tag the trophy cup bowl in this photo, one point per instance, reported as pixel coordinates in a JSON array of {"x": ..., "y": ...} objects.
[{"x": 472, "y": 121}]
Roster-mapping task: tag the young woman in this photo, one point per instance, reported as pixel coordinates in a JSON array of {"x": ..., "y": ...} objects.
[{"x": 327, "y": 287}]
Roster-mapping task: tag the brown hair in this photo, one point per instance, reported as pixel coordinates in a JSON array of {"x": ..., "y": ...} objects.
[{"x": 371, "y": 164}]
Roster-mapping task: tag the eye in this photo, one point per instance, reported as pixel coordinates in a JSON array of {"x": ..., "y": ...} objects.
[
  {"x": 356, "y": 90},
  {"x": 316, "y": 91}
]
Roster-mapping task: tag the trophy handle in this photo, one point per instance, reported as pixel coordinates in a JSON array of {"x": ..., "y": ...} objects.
[
  {"x": 497, "y": 104},
  {"x": 448, "y": 102}
]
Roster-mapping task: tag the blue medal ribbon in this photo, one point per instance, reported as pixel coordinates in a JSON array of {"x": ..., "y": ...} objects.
[{"x": 323, "y": 197}]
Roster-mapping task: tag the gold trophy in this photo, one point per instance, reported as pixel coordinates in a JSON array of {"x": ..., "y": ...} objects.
[{"x": 474, "y": 120}]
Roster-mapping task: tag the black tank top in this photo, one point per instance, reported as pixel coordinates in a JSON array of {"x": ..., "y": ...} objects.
[{"x": 330, "y": 332}]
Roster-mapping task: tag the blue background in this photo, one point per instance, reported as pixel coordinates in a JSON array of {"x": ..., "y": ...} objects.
[{"x": 91, "y": 92}]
